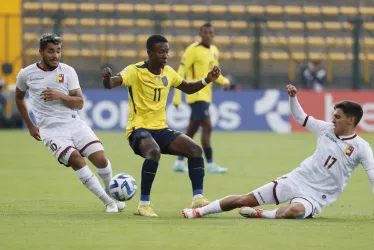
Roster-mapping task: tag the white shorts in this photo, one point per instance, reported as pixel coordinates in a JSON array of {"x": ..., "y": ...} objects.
[
  {"x": 284, "y": 189},
  {"x": 63, "y": 139}
]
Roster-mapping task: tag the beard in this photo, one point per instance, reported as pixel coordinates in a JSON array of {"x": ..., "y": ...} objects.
[{"x": 47, "y": 64}]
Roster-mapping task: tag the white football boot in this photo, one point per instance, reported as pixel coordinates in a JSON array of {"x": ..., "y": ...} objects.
[
  {"x": 111, "y": 208},
  {"x": 120, "y": 204}
]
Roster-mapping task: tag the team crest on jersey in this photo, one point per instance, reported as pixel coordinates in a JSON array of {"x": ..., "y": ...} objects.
[
  {"x": 60, "y": 78},
  {"x": 164, "y": 81},
  {"x": 349, "y": 150}
]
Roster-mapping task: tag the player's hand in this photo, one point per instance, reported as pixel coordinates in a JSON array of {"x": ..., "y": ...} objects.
[
  {"x": 51, "y": 95},
  {"x": 34, "y": 132},
  {"x": 106, "y": 73},
  {"x": 213, "y": 74},
  {"x": 292, "y": 90}
]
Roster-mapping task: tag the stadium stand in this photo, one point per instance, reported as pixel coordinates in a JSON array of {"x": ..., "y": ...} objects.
[
  {"x": 275, "y": 10},
  {"x": 289, "y": 31}
]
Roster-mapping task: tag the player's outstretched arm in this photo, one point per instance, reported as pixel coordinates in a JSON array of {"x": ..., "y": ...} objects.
[
  {"x": 310, "y": 123},
  {"x": 193, "y": 87},
  {"x": 296, "y": 109},
  {"x": 22, "y": 108},
  {"x": 110, "y": 81}
]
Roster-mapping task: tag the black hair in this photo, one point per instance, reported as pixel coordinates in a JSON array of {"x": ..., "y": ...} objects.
[
  {"x": 206, "y": 25},
  {"x": 155, "y": 39},
  {"x": 49, "y": 38},
  {"x": 350, "y": 108}
]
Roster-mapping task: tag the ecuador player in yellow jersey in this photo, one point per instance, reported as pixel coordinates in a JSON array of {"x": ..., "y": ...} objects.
[
  {"x": 197, "y": 60},
  {"x": 148, "y": 86}
]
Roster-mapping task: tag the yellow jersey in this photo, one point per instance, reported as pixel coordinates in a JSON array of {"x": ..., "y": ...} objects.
[
  {"x": 195, "y": 65},
  {"x": 148, "y": 94}
]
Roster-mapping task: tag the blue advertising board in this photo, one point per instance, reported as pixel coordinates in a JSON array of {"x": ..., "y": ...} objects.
[
  {"x": 230, "y": 111},
  {"x": 258, "y": 110}
]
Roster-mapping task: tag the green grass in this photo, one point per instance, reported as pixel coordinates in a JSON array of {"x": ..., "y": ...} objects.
[{"x": 44, "y": 206}]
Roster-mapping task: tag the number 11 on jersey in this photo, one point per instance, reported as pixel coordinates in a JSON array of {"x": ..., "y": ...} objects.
[{"x": 157, "y": 95}]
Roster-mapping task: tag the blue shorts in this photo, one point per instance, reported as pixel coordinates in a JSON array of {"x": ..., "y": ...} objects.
[
  {"x": 199, "y": 111},
  {"x": 163, "y": 138}
]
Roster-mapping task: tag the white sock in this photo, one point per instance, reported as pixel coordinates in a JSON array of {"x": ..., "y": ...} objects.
[
  {"x": 105, "y": 174},
  {"x": 143, "y": 203},
  {"x": 89, "y": 179},
  {"x": 197, "y": 196},
  {"x": 269, "y": 214},
  {"x": 212, "y": 208}
]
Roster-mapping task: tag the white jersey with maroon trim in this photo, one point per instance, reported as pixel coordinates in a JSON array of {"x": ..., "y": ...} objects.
[
  {"x": 36, "y": 80},
  {"x": 325, "y": 174}
]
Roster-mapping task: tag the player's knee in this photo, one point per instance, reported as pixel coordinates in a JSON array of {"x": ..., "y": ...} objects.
[
  {"x": 195, "y": 151},
  {"x": 76, "y": 161},
  {"x": 153, "y": 154},
  {"x": 98, "y": 159},
  {"x": 248, "y": 200},
  {"x": 293, "y": 212}
]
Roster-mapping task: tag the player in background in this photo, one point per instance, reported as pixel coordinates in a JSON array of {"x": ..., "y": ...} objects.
[
  {"x": 196, "y": 62},
  {"x": 148, "y": 86},
  {"x": 55, "y": 97},
  {"x": 320, "y": 179}
]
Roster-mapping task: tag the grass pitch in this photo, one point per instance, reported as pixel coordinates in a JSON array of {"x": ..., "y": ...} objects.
[{"x": 44, "y": 206}]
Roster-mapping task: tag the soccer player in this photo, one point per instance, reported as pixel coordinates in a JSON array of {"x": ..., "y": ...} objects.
[
  {"x": 55, "y": 96},
  {"x": 320, "y": 179},
  {"x": 196, "y": 63},
  {"x": 148, "y": 86}
]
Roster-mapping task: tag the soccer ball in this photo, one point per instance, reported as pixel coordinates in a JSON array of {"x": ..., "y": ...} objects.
[{"x": 122, "y": 187}]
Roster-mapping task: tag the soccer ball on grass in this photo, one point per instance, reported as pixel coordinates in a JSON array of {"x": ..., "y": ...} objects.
[{"x": 122, "y": 187}]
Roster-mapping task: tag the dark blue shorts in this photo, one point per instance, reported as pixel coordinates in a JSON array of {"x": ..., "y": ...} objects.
[
  {"x": 199, "y": 111},
  {"x": 163, "y": 138}
]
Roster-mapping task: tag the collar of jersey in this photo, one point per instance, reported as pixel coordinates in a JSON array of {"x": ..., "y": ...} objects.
[
  {"x": 346, "y": 137},
  {"x": 145, "y": 66},
  {"x": 200, "y": 44},
  {"x": 45, "y": 70}
]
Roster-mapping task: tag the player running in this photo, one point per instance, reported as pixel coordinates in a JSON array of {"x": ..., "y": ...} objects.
[
  {"x": 55, "y": 96},
  {"x": 148, "y": 86},
  {"x": 320, "y": 179}
]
